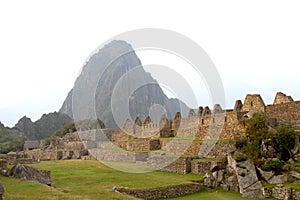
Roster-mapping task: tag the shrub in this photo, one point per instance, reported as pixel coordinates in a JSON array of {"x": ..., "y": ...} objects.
[
  {"x": 274, "y": 165},
  {"x": 257, "y": 127},
  {"x": 283, "y": 141}
]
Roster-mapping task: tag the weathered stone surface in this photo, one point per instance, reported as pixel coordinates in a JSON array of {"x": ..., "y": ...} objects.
[
  {"x": 295, "y": 174},
  {"x": 249, "y": 185},
  {"x": 246, "y": 174},
  {"x": 253, "y": 191},
  {"x": 279, "y": 179},
  {"x": 220, "y": 177},
  {"x": 266, "y": 175},
  {"x": 232, "y": 183},
  {"x": 209, "y": 181},
  {"x": 30, "y": 174}
]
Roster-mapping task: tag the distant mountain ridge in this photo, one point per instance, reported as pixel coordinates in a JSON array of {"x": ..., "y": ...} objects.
[
  {"x": 113, "y": 68},
  {"x": 42, "y": 128},
  {"x": 12, "y": 139}
]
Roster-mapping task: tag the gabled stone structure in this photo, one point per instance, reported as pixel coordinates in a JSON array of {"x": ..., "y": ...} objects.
[{"x": 253, "y": 102}]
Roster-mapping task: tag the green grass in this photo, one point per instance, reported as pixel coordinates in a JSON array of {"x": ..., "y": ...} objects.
[
  {"x": 295, "y": 186},
  {"x": 77, "y": 179}
]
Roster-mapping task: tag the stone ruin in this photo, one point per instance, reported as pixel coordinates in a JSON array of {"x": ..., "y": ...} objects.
[
  {"x": 147, "y": 142},
  {"x": 201, "y": 125}
]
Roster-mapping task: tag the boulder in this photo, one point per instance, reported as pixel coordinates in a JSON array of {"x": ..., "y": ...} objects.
[
  {"x": 30, "y": 174},
  {"x": 209, "y": 181},
  {"x": 232, "y": 183},
  {"x": 266, "y": 175},
  {"x": 249, "y": 185},
  {"x": 279, "y": 179},
  {"x": 295, "y": 174}
]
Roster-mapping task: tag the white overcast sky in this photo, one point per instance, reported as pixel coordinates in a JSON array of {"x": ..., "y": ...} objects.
[{"x": 254, "y": 44}]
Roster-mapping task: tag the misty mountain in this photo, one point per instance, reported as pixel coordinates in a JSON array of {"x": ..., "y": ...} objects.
[{"x": 113, "y": 86}]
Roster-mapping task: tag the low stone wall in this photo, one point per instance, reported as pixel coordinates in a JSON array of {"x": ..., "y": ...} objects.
[
  {"x": 164, "y": 192},
  {"x": 218, "y": 150},
  {"x": 43, "y": 155},
  {"x": 117, "y": 155},
  {"x": 281, "y": 192},
  {"x": 181, "y": 166},
  {"x": 140, "y": 145},
  {"x": 199, "y": 166}
]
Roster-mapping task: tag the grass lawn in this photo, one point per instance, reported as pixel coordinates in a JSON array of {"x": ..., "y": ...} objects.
[
  {"x": 82, "y": 179},
  {"x": 78, "y": 179}
]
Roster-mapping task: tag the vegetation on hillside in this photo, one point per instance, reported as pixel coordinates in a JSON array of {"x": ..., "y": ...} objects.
[
  {"x": 9, "y": 141},
  {"x": 278, "y": 142},
  {"x": 68, "y": 127},
  {"x": 42, "y": 128}
]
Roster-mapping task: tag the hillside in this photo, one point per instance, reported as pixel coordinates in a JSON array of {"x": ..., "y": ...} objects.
[
  {"x": 9, "y": 141},
  {"x": 42, "y": 128}
]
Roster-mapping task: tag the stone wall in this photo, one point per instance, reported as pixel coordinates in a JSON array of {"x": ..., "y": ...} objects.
[
  {"x": 181, "y": 165},
  {"x": 192, "y": 148},
  {"x": 199, "y": 166},
  {"x": 164, "y": 192},
  {"x": 118, "y": 155},
  {"x": 285, "y": 112},
  {"x": 281, "y": 192},
  {"x": 139, "y": 145}
]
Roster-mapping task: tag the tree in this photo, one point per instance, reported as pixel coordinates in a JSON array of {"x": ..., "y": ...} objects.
[
  {"x": 257, "y": 127},
  {"x": 256, "y": 131},
  {"x": 283, "y": 141}
]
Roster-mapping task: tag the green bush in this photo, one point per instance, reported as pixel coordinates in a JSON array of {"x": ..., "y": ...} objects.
[
  {"x": 274, "y": 165},
  {"x": 257, "y": 127},
  {"x": 283, "y": 141}
]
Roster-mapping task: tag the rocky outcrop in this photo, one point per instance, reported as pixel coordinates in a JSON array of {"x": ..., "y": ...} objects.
[
  {"x": 30, "y": 174},
  {"x": 249, "y": 184}
]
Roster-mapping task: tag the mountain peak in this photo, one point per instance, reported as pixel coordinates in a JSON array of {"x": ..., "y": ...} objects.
[{"x": 115, "y": 67}]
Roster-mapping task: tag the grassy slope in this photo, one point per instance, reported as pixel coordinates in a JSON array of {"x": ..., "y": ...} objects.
[{"x": 77, "y": 179}]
